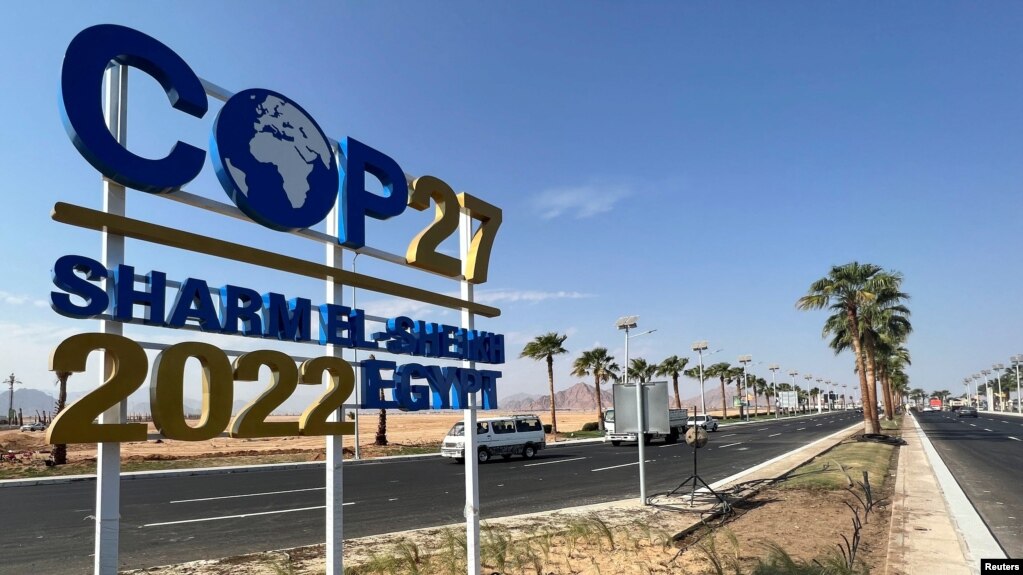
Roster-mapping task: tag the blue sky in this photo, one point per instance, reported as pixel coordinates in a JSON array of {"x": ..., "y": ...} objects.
[{"x": 698, "y": 164}]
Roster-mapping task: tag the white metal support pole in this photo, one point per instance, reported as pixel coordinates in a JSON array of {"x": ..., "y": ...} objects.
[
  {"x": 335, "y": 443},
  {"x": 1019, "y": 398},
  {"x": 472, "y": 485},
  {"x": 108, "y": 455},
  {"x": 641, "y": 429},
  {"x": 357, "y": 455},
  {"x": 745, "y": 393},
  {"x": 774, "y": 389}
]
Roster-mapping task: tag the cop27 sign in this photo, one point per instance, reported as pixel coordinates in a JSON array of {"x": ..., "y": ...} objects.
[{"x": 279, "y": 168}]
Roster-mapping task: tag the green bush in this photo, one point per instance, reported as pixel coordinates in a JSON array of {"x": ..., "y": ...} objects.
[{"x": 590, "y": 426}]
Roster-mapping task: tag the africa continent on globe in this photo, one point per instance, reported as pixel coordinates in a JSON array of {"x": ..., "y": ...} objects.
[{"x": 274, "y": 161}]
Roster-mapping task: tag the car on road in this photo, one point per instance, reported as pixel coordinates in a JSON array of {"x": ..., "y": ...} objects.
[
  {"x": 34, "y": 427},
  {"x": 705, "y": 421},
  {"x": 966, "y": 411},
  {"x": 505, "y": 436}
]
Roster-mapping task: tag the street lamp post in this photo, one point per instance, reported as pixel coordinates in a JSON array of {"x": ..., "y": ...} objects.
[
  {"x": 774, "y": 386},
  {"x": 626, "y": 323},
  {"x": 819, "y": 390},
  {"x": 1016, "y": 360},
  {"x": 809, "y": 379},
  {"x": 699, "y": 347},
  {"x": 744, "y": 360},
  {"x": 998, "y": 367},
  {"x": 793, "y": 373},
  {"x": 987, "y": 384}
]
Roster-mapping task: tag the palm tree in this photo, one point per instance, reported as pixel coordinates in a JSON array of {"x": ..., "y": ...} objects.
[
  {"x": 381, "y": 436},
  {"x": 641, "y": 370},
  {"x": 673, "y": 366},
  {"x": 760, "y": 387},
  {"x": 545, "y": 347},
  {"x": 721, "y": 371},
  {"x": 60, "y": 450},
  {"x": 846, "y": 290},
  {"x": 597, "y": 362}
]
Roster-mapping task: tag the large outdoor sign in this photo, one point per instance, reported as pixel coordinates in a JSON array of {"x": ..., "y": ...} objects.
[{"x": 276, "y": 164}]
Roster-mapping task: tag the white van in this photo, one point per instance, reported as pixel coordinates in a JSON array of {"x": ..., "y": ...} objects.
[{"x": 505, "y": 436}]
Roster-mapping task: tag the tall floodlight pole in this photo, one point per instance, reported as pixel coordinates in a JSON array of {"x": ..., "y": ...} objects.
[
  {"x": 819, "y": 390},
  {"x": 809, "y": 381},
  {"x": 794, "y": 373},
  {"x": 699, "y": 348},
  {"x": 744, "y": 360},
  {"x": 998, "y": 367},
  {"x": 1016, "y": 360},
  {"x": 966, "y": 384},
  {"x": 974, "y": 380},
  {"x": 774, "y": 386},
  {"x": 987, "y": 385}
]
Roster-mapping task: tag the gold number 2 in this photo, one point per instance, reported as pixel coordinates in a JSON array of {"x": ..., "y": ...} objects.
[{"x": 128, "y": 369}]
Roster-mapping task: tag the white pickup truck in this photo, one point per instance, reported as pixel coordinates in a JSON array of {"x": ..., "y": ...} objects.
[{"x": 676, "y": 420}]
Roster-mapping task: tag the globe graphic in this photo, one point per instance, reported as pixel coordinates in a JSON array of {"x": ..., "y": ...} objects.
[{"x": 273, "y": 160}]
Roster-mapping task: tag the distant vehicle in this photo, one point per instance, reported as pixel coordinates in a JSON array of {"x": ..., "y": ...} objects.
[
  {"x": 676, "y": 423},
  {"x": 966, "y": 411},
  {"x": 934, "y": 404},
  {"x": 705, "y": 421},
  {"x": 34, "y": 427},
  {"x": 505, "y": 436}
]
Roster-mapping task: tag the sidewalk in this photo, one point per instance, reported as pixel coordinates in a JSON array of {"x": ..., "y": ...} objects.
[{"x": 923, "y": 538}]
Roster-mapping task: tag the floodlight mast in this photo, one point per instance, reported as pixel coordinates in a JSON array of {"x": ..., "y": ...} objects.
[
  {"x": 626, "y": 323},
  {"x": 699, "y": 348},
  {"x": 744, "y": 411},
  {"x": 774, "y": 367}
]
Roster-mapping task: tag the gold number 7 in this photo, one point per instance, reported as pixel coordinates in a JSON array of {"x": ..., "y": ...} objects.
[{"x": 478, "y": 260}]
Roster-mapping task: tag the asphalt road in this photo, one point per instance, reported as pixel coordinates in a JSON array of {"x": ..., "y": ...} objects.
[
  {"x": 175, "y": 519},
  {"x": 985, "y": 455}
]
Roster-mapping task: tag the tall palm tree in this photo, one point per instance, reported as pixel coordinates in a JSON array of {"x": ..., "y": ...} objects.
[
  {"x": 760, "y": 387},
  {"x": 722, "y": 371},
  {"x": 597, "y": 362},
  {"x": 545, "y": 347},
  {"x": 673, "y": 367},
  {"x": 381, "y": 436},
  {"x": 846, "y": 290},
  {"x": 641, "y": 370}
]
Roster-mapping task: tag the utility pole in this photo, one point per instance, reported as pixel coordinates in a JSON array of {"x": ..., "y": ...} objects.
[{"x": 10, "y": 381}]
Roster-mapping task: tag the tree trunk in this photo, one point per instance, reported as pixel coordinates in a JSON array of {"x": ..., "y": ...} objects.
[
  {"x": 600, "y": 409},
  {"x": 550, "y": 384},
  {"x": 59, "y": 452},
  {"x": 869, "y": 412},
  {"x": 889, "y": 400},
  {"x": 678, "y": 398},
  {"x": 724, "y": 398},
  {"x": 872, "y": 385}
]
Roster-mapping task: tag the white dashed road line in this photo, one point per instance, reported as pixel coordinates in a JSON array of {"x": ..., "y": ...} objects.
[
  {"x": 249, "y": 495},
  {"x": 800, "y": 428},
  {"x": 1016, "y": 438},
  {"x": 550, "y": 462},
  {"x": 730, "y": 445},
  {"x": 242, "y": 516},
  {"x": 617, "y": 466},
  {"x": 774, "y": 434}
]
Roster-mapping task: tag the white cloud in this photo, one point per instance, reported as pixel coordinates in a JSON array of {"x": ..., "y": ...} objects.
[
  {"x": 15, "y": 299},
  {"x": 580, "y": 202},
  {"x": 531, "y": 296}
]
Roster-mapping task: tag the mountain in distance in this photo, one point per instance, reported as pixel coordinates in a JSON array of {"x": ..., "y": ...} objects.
[
  {"x": 578, "y": 397},
  {"x": 29, "y": 401}
]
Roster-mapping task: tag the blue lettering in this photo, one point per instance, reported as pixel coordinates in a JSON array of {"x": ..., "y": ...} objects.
[
  {"x": 153, "y": 298},
  {"x": 65, "y": 277},
  {"x": 194, "y": 292},
  {"x": 374, "y": 383},
  {"x": 287, "y": 321},
  {"x": 408, "y": 396},
  {"x": 241, "y": 304},
  {"x": 357, "y": 160}
]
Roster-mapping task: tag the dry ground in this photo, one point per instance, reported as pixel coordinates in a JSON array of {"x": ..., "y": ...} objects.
[{"x": 404, "y": 430}]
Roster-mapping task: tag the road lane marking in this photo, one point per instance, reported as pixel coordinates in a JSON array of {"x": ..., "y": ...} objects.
[
  {"x": 550, "y": 462},
  {"x": 774, "y": 434},
  {"x": 249, "y": 495},
  {"x": 242, "y": 516},
  {"x": 617, "y": 466},
  {"x": 729, "y": 445},
  {"x": 819, "y": 424},
  {"x": 986, "y": 429},
  {"x": 763, "y": 429},
  {"x": 800, "y": 428},
  {"x": 729, "y": 435},
  {"x": 1016, "y": 438},
  {"x": 973, "y": 425}
]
